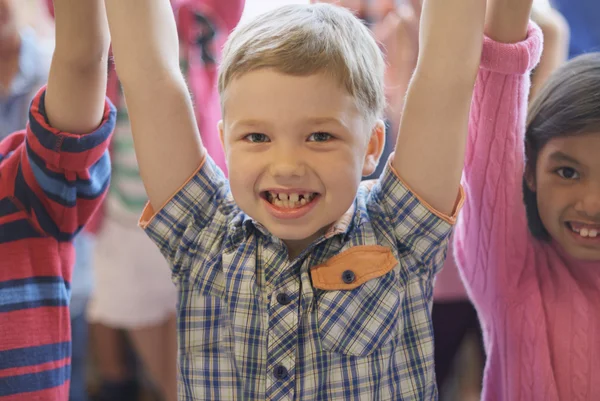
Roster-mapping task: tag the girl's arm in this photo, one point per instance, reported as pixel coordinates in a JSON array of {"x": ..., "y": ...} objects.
[
  {"x": 430, "y": 147},
  {"x": 492, "y": 233}
]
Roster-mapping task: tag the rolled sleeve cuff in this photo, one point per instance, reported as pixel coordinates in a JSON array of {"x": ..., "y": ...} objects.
[{"x": 64, "y": 150}]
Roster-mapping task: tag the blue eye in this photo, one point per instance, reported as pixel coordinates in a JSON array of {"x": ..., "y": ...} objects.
[
  {"x": 257, "y": 138},
  {"x": 320, "y": 137},
  {"x": 568, "y": 173}
]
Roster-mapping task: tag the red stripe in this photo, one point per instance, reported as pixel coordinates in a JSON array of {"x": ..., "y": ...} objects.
[
  {"x": 60, "y": 393},
  {"x": 35, "y": 368},
  {"x": 13, "y": 217},
  {"x": 35, "y": 257},
  {"x": 12, "y": 142},
  {"x": 33, "y": 327},
  {"x": 9, "y": 171}
]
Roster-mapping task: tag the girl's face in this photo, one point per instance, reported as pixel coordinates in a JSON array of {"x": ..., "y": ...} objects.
[{"x": 567, "y": 185}]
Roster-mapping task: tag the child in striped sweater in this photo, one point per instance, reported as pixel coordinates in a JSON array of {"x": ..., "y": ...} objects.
[{"x": 53, "y": 176}]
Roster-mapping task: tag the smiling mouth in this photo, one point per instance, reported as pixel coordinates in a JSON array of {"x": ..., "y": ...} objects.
[
  {"x": 584, "y": 230},
  {"x": 289, "y": 200}
]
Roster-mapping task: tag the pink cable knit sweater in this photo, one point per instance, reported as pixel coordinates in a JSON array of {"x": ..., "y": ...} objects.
[{"x": 539, "y": 307}]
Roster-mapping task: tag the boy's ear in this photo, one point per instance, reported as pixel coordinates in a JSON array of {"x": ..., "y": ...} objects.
[
  {"x": 374, "y": 148},
  {"x": 221, "y": 135},
  {"x": 530, "y": 178}
]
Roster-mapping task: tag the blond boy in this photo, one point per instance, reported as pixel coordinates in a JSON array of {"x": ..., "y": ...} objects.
[{"x": 296, "y": 281}]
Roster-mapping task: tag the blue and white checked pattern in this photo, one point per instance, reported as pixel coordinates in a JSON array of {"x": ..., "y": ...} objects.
[{"x": 236, "y": 342}]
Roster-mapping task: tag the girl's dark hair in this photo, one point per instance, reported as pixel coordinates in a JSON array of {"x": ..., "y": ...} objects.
[{"x": 567, "y": 105}]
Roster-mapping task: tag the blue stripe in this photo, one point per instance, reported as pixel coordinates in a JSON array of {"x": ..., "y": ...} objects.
[
  {"x": 17, "y": 230},
  {"x": 32, "y": 356},
  {"x": 45, "y": 303},
  {"x": 39, "y": 280},
  {"x": 31, "y": 202},
  {"x": 72, "y": 144},
  {"x": 35, "y": 381},
  {"x": 33, "y": 205},
  {"x": 66, "y": 192},
  {"x": 34, "y": 294}
]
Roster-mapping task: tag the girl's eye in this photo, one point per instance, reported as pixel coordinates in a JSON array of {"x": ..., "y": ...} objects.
[
  {"x": 568, "y": 173},
  {"x": 319, "y": 137},
  {"x": 256, "y": 138}
]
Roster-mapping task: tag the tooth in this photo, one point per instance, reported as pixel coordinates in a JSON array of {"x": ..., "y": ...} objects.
[
  {"x": 278, "y": 202},
  {"x": 294, "y": 197},
  {"x": 593, "y": 233},
  {"x": 303, "y": 201},
  {"x": 584, "y": 232}
]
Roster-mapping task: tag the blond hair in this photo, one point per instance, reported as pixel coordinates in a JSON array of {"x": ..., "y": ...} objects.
[{"x": 303, "y": 40}]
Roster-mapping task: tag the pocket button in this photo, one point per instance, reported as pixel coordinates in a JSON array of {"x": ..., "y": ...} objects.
[{"x": 348, "y": 277}]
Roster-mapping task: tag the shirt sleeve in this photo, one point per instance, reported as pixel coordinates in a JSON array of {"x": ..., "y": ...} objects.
[
  {"x": 58, "y": 178},
  {"x": 493, "y": 230},
  {"x": 420, "y": 231},
  {"x": 194, "y": 220}
]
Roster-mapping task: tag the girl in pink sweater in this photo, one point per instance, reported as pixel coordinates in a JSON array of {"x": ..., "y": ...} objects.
[{"x": 527, "y": 241}]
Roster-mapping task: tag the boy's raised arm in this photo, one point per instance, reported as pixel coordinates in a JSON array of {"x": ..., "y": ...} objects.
[
  {"x": 146, "y": 50},
  {"x": 433, "y": 131},
  {"x": 75, "y": 95}
]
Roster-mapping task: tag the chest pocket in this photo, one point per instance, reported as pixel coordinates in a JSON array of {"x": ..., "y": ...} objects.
[{"x": 359, "y": 307}]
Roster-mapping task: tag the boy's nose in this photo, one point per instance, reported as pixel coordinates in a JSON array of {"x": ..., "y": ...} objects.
[{"x": 287, "y": 164}]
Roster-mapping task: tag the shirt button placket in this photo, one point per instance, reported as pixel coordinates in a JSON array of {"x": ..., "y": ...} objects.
[
  {"x": 283, "y": 299},
  {"x": 280, "y": 372},
  {"x": 282, "y": 349}
]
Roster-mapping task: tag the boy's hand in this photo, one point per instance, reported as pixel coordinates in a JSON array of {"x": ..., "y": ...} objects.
[
  {"x": 146, "y": 50},
  {"x": 76, "y": 89},
  {"x": 431, "y": 143}
]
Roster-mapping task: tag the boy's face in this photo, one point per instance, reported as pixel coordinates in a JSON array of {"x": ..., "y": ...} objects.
[
  {"x": 567, "y": 185},
  {"x": 296, "y": 150}
]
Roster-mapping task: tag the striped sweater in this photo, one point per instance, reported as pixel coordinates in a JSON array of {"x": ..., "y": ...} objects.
[{"x": 51, "y": 182}]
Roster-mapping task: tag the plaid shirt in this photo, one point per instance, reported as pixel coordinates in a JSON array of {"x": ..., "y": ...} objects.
[{"x": 348, "y": 319}]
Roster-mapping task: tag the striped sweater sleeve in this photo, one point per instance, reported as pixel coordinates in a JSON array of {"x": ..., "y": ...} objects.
[{"x": 58, "y": 178}]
